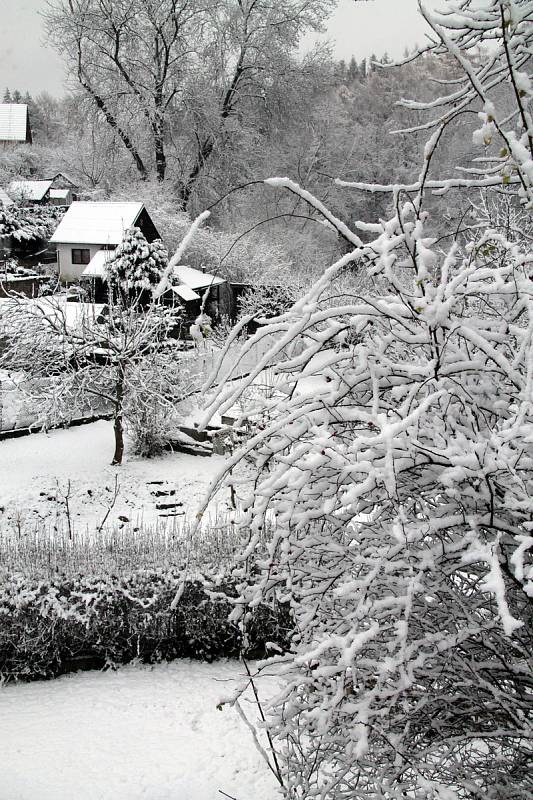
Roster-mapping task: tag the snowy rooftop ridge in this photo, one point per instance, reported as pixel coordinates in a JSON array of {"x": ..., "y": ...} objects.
[
  {"x": 102, "y": 223},
  {"x": 13, "y": 122}
]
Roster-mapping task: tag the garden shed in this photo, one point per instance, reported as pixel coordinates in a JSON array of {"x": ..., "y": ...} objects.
[{"x": 190, "y": 288}]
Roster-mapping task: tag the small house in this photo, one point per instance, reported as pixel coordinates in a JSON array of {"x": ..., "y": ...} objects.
[
  {"x": 14, "y": 125},
  {"x": 63, "y": 191},
  {"x": 29, "y": 193},
  {"x": 89, "y": 228}
]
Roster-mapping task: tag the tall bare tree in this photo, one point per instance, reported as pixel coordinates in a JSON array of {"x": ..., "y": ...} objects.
[
  {"x": 148, "y": 63},
  {"x": 132, "y": 58}
]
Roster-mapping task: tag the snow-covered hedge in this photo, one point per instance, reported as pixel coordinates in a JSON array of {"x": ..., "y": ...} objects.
[{"x": 48, "y": 628}]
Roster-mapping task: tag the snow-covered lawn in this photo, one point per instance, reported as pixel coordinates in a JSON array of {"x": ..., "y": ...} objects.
[
  {"x": 35, "y": 472},
  {"x": 150, "y": 733}
]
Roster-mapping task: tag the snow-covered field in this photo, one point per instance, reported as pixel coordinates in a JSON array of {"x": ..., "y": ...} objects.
[
  {"x": 40, "y": 473},
  {"x": 142, "y": 733}
]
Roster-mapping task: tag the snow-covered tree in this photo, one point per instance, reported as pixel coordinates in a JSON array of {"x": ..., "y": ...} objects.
[
  {"x": 29, "y": 223},
  {"x": 137, "y": 265},
  {"x": 394, "y": 478},
  {"x": 8, "y": 222},
  {"x": 119, "y": 359},
  {"x": 78, "y": 359}
]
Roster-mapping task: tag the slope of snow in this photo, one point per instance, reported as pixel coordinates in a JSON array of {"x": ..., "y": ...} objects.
[
  {"x": 142, "y": 733},
  {"x": 35, "y": 472}
]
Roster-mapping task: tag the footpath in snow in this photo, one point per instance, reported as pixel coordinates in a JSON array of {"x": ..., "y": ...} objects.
[{"x": 141, "y": 733}]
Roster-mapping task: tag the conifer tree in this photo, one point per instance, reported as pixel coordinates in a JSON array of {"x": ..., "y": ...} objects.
[{"x": 137, "y": 265}]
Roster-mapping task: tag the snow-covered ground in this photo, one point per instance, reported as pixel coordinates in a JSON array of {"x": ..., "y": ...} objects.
[
  {"x": 142, "y": 733},
  {"x": 39, "y": 473}
]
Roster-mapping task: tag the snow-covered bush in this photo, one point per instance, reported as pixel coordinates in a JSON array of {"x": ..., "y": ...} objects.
[
  {"x": 397, "y": 467},
  {"x": 151, "y": 416},
  {"x": 8, "y": 221},
  {"x": 266, "y": 300},
  {"x": 87, "y": 621},
  {"x": 38, "y": 222},
  {"x": 27, "y": 224}
]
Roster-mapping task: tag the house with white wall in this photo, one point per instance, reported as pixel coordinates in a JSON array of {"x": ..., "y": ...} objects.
[{"x": 90, "y": 227}]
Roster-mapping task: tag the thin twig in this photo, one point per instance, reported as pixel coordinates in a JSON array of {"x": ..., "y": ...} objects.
[
  {"x": 277, "y": 771},
  {"x": 112, "y": 504}
]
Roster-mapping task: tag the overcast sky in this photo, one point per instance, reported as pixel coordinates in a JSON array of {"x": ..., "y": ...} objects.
[{"x": 360, "y": 29}]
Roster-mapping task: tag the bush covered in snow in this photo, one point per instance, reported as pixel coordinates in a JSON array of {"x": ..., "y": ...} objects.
[
  {"x": 29, "y": 223},
  {"x": 71, "y": 622}
]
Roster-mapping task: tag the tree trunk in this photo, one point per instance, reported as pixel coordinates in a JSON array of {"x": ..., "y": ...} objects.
[
  {"x": 128, "y": 144},
  {"x": 112, "y": 121},
  {"x": 119, "y": 441},
  {"x": 158, "y": 132},
  {"x": 160, "y": 158},
  {"x": 205, "y": 149},
  {"x": 117, "y": 424}
]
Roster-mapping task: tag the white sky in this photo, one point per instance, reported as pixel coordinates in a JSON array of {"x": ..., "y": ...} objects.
[
  {"x": 364, "y": 28},
  {"x": 360, "y": 29}
]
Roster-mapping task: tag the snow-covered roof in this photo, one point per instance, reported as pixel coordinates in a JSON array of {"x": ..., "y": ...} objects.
[
  {"x": 13, "y": 122},
  {"x": 5, "y": 198},
  {"x": 96, "y": 223},
  {"x": 62, "y": 177},
  {"x": 185, "y": 292},
  {"x": 96, "y": 266},
  {"x": 59, "y": 194},
  {"x": 29, "y": 190},
  {"x": 195, "y": 279}
]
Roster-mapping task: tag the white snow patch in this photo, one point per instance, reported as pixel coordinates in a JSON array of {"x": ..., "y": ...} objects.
[{"x": 142, "y": 733}]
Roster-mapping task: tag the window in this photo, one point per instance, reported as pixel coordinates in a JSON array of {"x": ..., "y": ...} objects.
[{"x": 81, "y": 255}]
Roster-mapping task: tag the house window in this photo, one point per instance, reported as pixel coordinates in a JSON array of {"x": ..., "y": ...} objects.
[{"x": 81, "y": 255}]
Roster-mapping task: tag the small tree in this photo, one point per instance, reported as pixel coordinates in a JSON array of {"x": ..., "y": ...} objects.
[
  {"x": 78, "y": 359},
  {"x": 118, "y": 358}
]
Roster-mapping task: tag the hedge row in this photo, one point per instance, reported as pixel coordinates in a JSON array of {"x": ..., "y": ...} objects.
[{"x": 49, "y": 628}]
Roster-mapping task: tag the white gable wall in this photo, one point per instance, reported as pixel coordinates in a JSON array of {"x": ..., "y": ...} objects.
[{"x": 69, "y": 272}]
